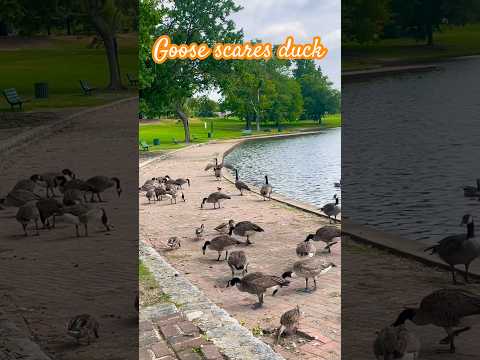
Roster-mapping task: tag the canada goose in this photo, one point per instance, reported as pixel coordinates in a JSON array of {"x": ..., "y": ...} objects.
[
  {"x": 224, "y": 227},
  {"x": 29, "y": 184},
  {"x": 212, "y": 164},
  {"x": 199, "y": 231},
  {"x": 83, "y": 326},
  {"x": 160, "y": 192},
  {"x": 327, "y": 234},
  {"x": 17, "y": 198},
  {"x": 244, "y": 229},
  {"x": 446, "y": 308},
  {"x": 180, "y": 182},
  {"x": 258, "y": 283},
  {"x": 331, "y": 209},
  {"x": 220, "y": 243},
  {"x": 338, "y": 184},
  {"x": 150, "y": 194},
  {"x": 215, "y": 198},
  {"x": 237, "y": 261},
  {"x": 396, "y": 343},
  {"x": 174, "y": 243},
  {"x": 172, "y": 195},
  {"x": 218, "y": 173},
  {"x": 73, "y": 196},
  {"x": 149, "y": 184},
  {"x": 99, "y": 184},
  {"x": 309, "y": 268},
  {"x": 27, "y": 213},
  {"x": 305, "y": 249},
  {"x": 78, "y": 184},
  {"x": 289, "y": 322},
  {"x": 53, "y": 180},
  {"x": 48, "y": 208},
  {"x": 459, "y": 249},
  {"x": 82, "y": 214},
  {"x": 266, "y": 190},
  {"x": 240, "y": 185},
  {"x": 472, "y": 191}
]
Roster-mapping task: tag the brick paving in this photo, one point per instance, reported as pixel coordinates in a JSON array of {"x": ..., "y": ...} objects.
[
  {"x": 54, "y": 276},
  {"x": 378, "y": 285},
  {"x": 171, "y": 336},
  {"x": 273, "y": 251}
]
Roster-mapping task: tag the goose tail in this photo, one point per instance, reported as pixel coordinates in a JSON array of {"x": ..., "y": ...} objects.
[{"x": 433, "y": 249}]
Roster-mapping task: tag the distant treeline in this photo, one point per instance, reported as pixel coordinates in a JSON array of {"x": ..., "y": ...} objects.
[
  {"x": 370, "y": 20},
  {"x": 68, "y": 17},
  {"x": 253, "y": 90}
]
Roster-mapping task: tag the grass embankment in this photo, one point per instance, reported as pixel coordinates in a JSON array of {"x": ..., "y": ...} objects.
[
  {"x": 150, "y": 293},
  {"x": 451, "y": 41},
  {"x": 231, "y": 128},
  {"x": 62, "y": 62}
]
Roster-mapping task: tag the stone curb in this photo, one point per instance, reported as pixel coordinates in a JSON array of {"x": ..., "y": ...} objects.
[
  {"x": 400, "y": 246},
  {"x": 15, "y": 345},
  {"x": 233, "y": 340},
  {"x": 25, "y": 138}
]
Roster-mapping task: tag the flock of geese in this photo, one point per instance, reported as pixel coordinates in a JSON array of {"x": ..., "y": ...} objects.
[
  {"x": 453, "y": 309},
  {"x": 52, "y": 197},
  {"x": 232, "y": 234}
]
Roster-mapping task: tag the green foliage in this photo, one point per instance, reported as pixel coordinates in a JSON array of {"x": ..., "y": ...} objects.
[
  {"x": 319, "y": 96},
  {"x": 170, "y": 84},
  {"x": 363, "y": 20}
]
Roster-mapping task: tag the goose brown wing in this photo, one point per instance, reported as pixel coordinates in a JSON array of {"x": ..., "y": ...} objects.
[
  {"x": 451, "y": 244},
  {"x": 447, "y": 306}
]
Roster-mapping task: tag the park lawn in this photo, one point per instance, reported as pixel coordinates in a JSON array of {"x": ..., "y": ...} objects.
[
  {"x": 62, "y": 62},
  {"x": 451, "y": 41},
  {"x": 223, "y": 128},
  {"x": 150, "y": 293}
]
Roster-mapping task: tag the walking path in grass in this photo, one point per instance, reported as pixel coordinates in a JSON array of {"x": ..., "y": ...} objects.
[{"x": 272, "y": 253}]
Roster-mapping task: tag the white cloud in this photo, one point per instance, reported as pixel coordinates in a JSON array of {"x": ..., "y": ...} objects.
[{"x": 273, "y": 20}]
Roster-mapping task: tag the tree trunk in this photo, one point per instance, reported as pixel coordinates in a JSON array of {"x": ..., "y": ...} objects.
[
  {"x": 110, "y": 42},
  {"x": 186, "y": 125},
  {"x": 69, "y": 26}
]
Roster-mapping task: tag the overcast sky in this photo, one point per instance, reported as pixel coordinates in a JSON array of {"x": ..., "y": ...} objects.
[{"x": 273, "y": 20}]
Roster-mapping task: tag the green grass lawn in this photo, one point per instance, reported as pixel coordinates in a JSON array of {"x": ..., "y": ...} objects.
[
  {"x": 451, "y": 41},
  {"x": 62, "y": 62},
  {"x": 231, "y": 128}
]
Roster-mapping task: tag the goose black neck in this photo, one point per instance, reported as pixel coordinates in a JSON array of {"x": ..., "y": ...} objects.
[
  {"x": 336, "y": 201},
  {"x": 407, "y": 314},
  {"x": 236, "y": 174},
  {"x": 470, "y": 230},
  {"x": 266, "y": 179}
]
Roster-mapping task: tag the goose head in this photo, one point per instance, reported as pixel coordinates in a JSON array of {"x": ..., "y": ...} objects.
[
  {"x": 233, "y": 282},
  {"x": 287, "y": 274},
  {"x": 69, "y": 173},
  {"x": 203, "y": 202},
  {"x": 309, "y": 237},
  {"x": 204, "y": 247},
  {"x": 407, "y": 314}
]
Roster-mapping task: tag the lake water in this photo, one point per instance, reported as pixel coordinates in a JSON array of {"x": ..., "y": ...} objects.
[
  {"x": 304, "y": 167},
  {"x": 410, "y": 144}
]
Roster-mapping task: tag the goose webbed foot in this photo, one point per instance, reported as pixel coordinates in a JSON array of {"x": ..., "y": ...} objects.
[
  {"x": 257, "y": 306},
  {"x": 306, "y": 290}
]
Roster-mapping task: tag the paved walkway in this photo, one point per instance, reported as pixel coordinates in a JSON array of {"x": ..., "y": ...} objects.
[
  {"x": 273, "y": 252},
  {"x": 54, "y": 276},
  {"x": 166, "y": 334},
  {"x": 377, "y": 286}
]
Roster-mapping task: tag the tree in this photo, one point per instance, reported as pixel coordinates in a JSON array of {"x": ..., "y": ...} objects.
[
  {"x": 206, "y": 107},
  {"x": 421, "y": 18},
  {"x": 363, "y": 20},
  {"x": 107, "y": 17},
  {"x": 175, "y": 81},
  {"x": 319, "y": 96}
]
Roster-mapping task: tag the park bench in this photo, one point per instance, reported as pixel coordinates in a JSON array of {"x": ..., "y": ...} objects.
[
  {"x": 13, "y": 99},
  {"x": 87, "y": 89},
  {"x": 132, "y": 79},
  {"x": 144, "y": 145},
  {"x": 247, "y": 132}
]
